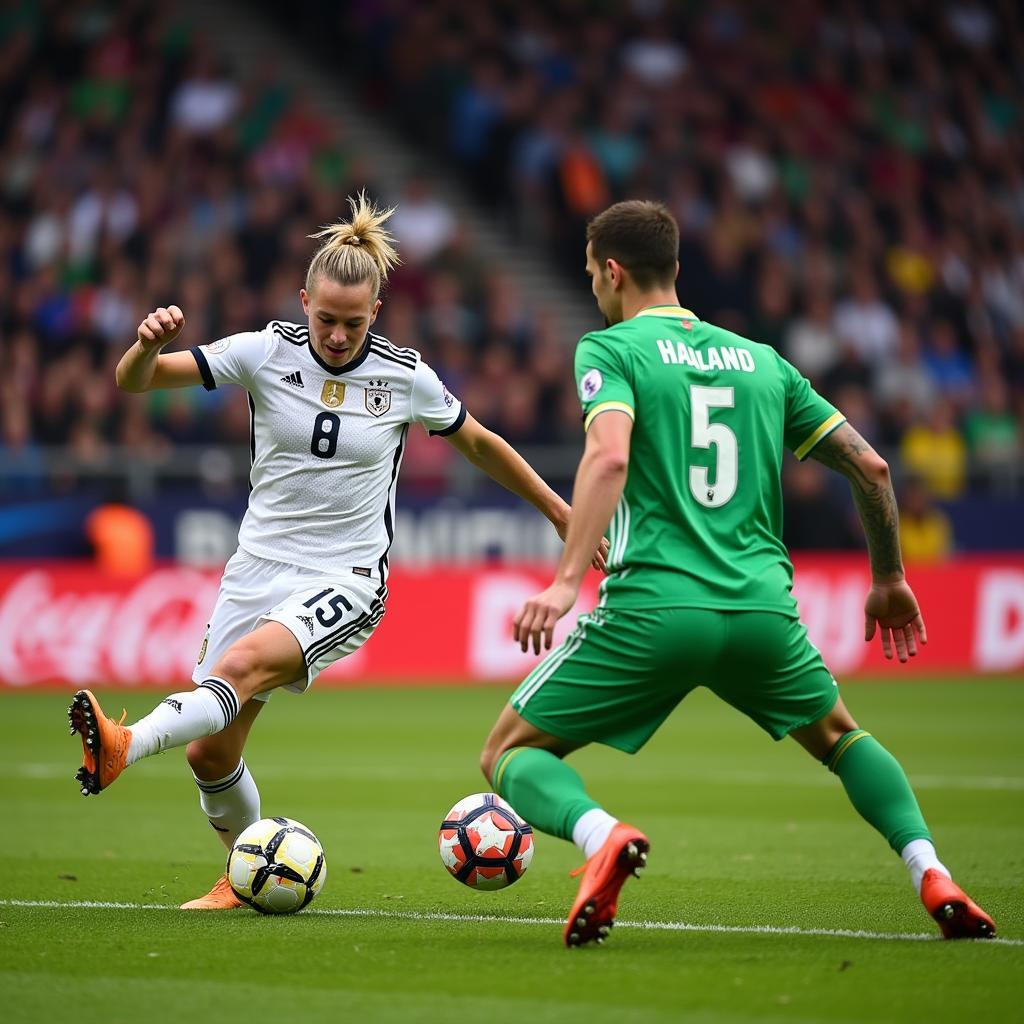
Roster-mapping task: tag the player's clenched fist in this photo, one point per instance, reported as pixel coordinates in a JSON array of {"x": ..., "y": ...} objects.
[{"x": 162, "y": 326}]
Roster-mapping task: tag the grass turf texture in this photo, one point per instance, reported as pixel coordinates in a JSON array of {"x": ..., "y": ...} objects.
[{"x": 744, "y": 833}]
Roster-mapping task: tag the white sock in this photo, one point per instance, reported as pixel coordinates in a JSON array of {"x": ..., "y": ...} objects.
[
  {"x": 232, "y": 803},
  {"x": 919, "y": 855},
  {"x": 591, "y": 831},
  {"x": 183, "y": 717}
]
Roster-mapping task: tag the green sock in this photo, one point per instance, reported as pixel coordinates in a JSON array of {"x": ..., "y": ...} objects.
[
  {"x": 877, "y": 788},
  {"x": 543, "y": 789}
]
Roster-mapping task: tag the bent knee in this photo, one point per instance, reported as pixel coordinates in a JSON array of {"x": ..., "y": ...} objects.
[
  {"x": 494, "y": 749},
  {"x": 209, "y": 760},
  {"x": 240, "y": 664},
  {"x": 489, "y": 759}
]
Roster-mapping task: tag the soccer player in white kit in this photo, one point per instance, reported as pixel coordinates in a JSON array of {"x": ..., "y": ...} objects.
[{"x": 330, "y": 406}]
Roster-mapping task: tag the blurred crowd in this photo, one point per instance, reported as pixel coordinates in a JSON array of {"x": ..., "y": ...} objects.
[
  {"x": 848, "y": 178},
  {"x": 136, "y": 171}
]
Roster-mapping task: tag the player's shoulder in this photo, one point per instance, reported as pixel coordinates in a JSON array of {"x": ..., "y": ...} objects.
[
  {"x": 764, "y": 355},
  {"x": 611, "y": 333},
  {"x": 382, "y": 349},
  {"x": 286, "y": 332},
  {"x": 613, "y": 338}
]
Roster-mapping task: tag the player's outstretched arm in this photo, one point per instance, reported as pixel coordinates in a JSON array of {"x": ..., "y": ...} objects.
[
  {"x": 600, "y": 480},
  {"x": 503, "y": 464},
  {"x": 143, "y": 368},
  {"x": 891, "y": 606}
]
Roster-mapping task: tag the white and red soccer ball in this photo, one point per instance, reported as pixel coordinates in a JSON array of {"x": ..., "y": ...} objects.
[{"x": 484, "y": 843}]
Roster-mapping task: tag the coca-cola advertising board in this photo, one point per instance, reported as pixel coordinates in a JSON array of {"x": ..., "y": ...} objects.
[{"x": 64, "y": 623}]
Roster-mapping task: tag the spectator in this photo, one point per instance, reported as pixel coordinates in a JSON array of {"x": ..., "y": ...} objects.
[
  {"x": 935, "y": 451},
  {"x": 814, "y": 519},
  {"x": 926, "y": 534},
  {"x": 206, "y": 100},
  {"x": 904, "y": 391},
  {"x": 423, "y": 224},
  {"x": 992, "y": 431},
  {"x": 20, "y": 457},
  {"x": 865, "y": 322},
  {"x": 122, "y": 539},
  {"x": 811, "y": 342},
  {"x": 947, "y": 365}
]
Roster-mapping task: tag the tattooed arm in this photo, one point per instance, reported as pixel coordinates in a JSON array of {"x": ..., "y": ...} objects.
[
  {"x": 845, "y": 451},
  {"x": 891, "y": 604}
]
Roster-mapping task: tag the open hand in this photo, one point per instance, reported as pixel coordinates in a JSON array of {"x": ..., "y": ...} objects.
[
  {"x": 892, "y": 608},
  {"x": 539, "y": 615}
]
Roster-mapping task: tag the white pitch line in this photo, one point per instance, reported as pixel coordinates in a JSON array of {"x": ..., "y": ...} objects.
[{"x": 414, "y": 915}]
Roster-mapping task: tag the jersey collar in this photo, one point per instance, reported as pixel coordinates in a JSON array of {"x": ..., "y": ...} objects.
[
  {"x": 349, "y": 366},
  {"x": 677, "y": 311}
]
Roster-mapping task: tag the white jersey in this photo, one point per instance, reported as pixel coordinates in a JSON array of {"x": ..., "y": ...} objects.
[{"x": 326, "y": 443}]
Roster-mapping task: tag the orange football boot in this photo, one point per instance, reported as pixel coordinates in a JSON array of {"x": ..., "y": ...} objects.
[
  {"x": 954, "y": 911},
  {"x": 624, "y": 853},
  {"x": 104, "y": 742},
  {"x": 220, "y": 897}
]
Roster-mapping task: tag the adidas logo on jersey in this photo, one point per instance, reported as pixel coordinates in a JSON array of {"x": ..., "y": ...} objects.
[{"x": 295, "y": 379}]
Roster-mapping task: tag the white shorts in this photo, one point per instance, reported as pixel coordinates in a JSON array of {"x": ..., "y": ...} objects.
[{"x": 330, "y": 615}]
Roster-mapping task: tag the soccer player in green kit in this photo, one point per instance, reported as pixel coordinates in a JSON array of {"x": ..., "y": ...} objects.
[{"x": 685, "y": 427}]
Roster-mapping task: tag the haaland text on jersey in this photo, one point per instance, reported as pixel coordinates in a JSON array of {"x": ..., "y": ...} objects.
[{"x": 710, "y": 358}]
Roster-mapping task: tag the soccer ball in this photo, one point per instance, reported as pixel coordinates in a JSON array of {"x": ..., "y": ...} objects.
[
  {"x": 276, "y": 866},
  {"x": 484, "y": 843}
]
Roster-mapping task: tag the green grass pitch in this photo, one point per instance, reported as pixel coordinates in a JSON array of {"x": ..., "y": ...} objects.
[{"x": 746, "y": 835}]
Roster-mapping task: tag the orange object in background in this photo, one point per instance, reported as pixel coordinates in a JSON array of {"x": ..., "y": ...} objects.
[
  {"x": 583, "y": 181},
  {"x": 122, "y": 539}
]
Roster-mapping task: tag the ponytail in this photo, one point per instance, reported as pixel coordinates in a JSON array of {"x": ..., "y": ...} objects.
[{"x": 356, "y": 250}]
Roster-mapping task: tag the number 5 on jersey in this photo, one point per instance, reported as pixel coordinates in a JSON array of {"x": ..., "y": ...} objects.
[{"x": 703, "y": 434}]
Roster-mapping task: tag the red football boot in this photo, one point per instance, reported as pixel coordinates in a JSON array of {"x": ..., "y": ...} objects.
[
  {"x": 624, "y": 853},
  {"x": 954, "y": 911}
]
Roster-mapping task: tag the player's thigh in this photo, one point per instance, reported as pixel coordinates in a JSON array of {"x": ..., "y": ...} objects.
[
  {"x": 771, "y": 672},
  {"x": 259, "y": 662},
  {"x": 328, "y": 619},
  {"x": 614, "y": 680},
  {"x": 248, "y": 588}
]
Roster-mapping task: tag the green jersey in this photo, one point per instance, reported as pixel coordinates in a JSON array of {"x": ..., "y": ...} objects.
[{"x": 699, "y": 523}]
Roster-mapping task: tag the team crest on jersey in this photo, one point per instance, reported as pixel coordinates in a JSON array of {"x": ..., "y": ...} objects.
[
  {"x": 333, "y": 393},
  {"x": 377, "y": 398},
  {"x": 218, "y": 346}
]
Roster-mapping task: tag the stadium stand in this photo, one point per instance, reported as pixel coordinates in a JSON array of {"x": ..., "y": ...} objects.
[{"x": 850, "y": 191}]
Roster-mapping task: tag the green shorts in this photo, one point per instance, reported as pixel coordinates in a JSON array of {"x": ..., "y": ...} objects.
[{"x": 619, "y": 674}]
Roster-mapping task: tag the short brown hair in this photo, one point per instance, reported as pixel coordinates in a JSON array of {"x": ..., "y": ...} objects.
[{"x": 640, "y": 235}]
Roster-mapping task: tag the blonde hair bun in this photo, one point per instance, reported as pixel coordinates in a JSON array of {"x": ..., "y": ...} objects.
[{"x": 355, "y": 250}]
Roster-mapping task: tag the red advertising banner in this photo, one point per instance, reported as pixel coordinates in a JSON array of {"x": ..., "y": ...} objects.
[{"x": 64, "y": 623}]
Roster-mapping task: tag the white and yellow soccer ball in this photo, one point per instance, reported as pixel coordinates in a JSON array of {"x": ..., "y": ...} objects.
[{"x": 277, "y": 866}]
